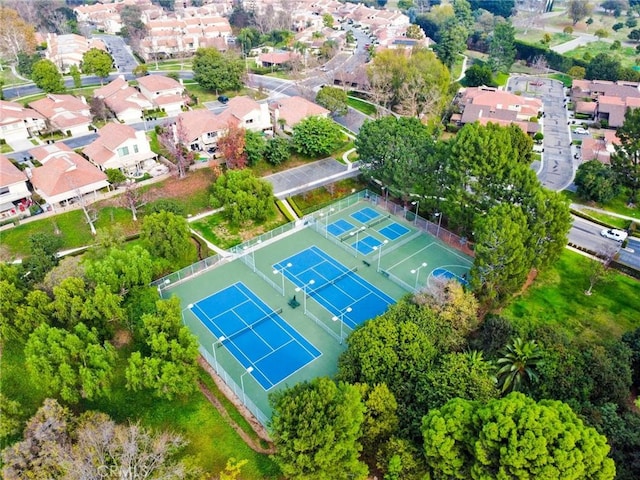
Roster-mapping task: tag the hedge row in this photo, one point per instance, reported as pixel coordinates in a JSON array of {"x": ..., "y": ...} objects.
[
  {"x": 528, "y": 51},
  {"x": 295, "y": 207}
]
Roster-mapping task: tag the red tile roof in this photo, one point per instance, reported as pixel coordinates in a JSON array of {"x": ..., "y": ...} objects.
[
  {"x": 9, "y": 173},
  {"x": 158, "y": 83},
  {"x": 295, "y": 109}
]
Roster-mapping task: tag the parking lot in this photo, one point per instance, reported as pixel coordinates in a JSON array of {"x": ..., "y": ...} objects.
[{"x": 123, "y": 59}]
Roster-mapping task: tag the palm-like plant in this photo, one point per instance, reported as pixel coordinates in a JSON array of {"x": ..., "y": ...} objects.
[{"x": 518, "y": 365}]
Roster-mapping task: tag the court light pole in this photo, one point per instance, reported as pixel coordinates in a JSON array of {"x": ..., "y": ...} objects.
[
  {"x": 281, "y": 271},
  {"x": 188, "y": 307},
  {"x": 379, "y": 248},
  {"x": 439, "y": 215},
  {"x": 214, "y": 345},
  {"x": 341, "y": 318},
  {"x": 304, "y": 293},
  {"x": 244, "y": 398},
  {"x": 417, "y": 273},
  {"x": 253, "y": 253},
  {"x": 357, "y": 234},
  {"x": 417, "y": 204}
]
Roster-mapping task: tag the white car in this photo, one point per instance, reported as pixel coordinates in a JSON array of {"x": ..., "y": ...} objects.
[
  {"x": 581, "y": 131},
  {"x": 613, "y": 234}
]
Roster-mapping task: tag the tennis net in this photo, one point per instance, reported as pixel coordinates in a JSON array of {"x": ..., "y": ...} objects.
[
  {"x": 251, "y": 326},
  {"x": 333, "y": 280},
  {"x": 378, "y": 220}
]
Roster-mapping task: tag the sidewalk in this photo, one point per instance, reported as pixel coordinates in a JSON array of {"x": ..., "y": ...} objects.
[{"x": 580, "y": 207}]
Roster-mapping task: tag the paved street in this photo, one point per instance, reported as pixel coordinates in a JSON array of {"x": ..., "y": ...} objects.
[{"x": 557, "y": 169}]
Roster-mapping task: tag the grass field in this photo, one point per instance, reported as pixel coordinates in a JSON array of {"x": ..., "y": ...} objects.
[
  {"x": 557, "y": 299},
  {"x": 361, "y": 106},
  {"x": 626, "y": 55},
  {"x": 618, "y": 205}
]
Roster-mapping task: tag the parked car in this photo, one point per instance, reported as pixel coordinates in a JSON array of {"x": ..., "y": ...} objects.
[
  {"x": 581, "y": 131},
  {"x": 223, "y": 99},
  {"x": 613, "y": 234}
]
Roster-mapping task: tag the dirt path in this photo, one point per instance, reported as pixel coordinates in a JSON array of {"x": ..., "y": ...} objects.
[{"x": 257, "y": 427}]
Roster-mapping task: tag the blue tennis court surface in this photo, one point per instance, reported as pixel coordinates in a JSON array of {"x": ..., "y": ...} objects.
[
  {"x": 339, "y": 227},
  {"x": 365, "y": 214},
  {"x": 334, "y": 286},
  {"x": 393, "y": 231},
  {"x": 444, "y": 273},
  {"x": 366, "y": 245},
  {"x": 255, "y": 334}
]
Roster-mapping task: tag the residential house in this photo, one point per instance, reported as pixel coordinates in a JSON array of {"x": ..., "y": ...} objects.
[
  {"x": 201, "y": 129},
  {"x": 67, "y": 50},
  {"x": 119, "y": 146},
  {"x": 599, "y": 148},
  {"x": 246, "y": 113},
  {"x": 127, "y": 103},
  {"x": 65, "y": 113},
  {"x": 64, "y": 175},
  {"x": 164, "y": 92},
  {"x": 15, "y": 196},
  {"x": 604, "y": 100},
  {"x": 486, "y": 104},
  {"x": 18, "y": 122},
  {"x": 276, "y": 59},
  {"x": 288, "y": 112},
  {"x": 102, "y": 16}
]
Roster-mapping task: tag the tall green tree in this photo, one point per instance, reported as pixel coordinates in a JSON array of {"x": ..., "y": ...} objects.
[
  {"x": 316, "y": 426},
  {"x": 168, "y": 364},
  {"x": 218, "y": 72},
  {"x": 501, "y": 264},
  {"x": 316, "y": 136},
  {"x": 122, "y": 269},
  {"x": 254, "y": 147},
  {"x": 603, "y": 67},
  {"x": 625, "y": 160},
  {"x": 380, "y": 418},
  {"x": 502, "y": 50},
  {"x": 518, "y": 365},
  {"x": 168, "y": 236},
  {"x": 578, "y": 9},
  {"x": 97, "y": 62},
  {"x": 46, "y": 76},
  {"x": 333, "y": 99},
  {"x": 513, "y": 437},
  {"x": 277, "y": 150},
  {"x": 596, "y": 182},
  {"x": 72, "y": 364},
  {"x": 244, "y": 197},
  {"x": 453, "y": 41}
]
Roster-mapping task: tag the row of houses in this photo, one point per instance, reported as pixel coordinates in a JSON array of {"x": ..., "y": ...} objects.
[
  {"x": 605, "y": 101},
  {"x": 63, "y": 175}
]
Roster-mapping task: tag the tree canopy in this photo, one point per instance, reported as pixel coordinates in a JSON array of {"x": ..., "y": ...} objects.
[
  {"x": 97, "y": 62},
  {"x": 218, "y": 72},
  {"x": 46, "y": 76},
  {"x": 167, "y": 236},
  {"x": 244, "y": 197},
  {"x": 333, "y": 99},
  {"x": 513, "y": 437},
  {"x": 316, "y": 136},
  {"x": 625, "y": 161},
  {"x": 316, "y": 426},
  {"x": 596, "y": 181},
  {"x": 502, "y": 50}
]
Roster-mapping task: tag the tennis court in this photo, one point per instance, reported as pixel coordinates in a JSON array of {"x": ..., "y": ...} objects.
[
  {"x": 366, "y": 245},
  {"x": 443, "y": 273},
  {"x": 365, "y": 215},
  {"x": 394, "y": 231},
  {"x": 338, "y": 228},
  {"x": 254, "y": 334},
  {"x": 336, "y": 287}
]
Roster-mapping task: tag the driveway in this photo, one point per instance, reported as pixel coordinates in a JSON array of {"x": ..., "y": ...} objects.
[
  {"x": 557, "y": 169},
  {"x": 122, "y": 57}
]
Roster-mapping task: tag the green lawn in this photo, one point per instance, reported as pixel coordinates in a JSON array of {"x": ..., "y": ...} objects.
[
  {"x": 364, "y": 107},
  {"x": 626, "y": 55},
  {"x": 608, "y": 219},
  {"x": 564, "y": 78},
  {"x": 617, "y": 205},
  {"x": 315, "y": 199},
  {"x": 557, "y": 299},
  {"x": 5, "y": 148},
  {"x": 211, "y": 440}
]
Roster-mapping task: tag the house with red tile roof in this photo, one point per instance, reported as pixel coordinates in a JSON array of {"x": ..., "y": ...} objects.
[
  {"x": 64, "y": 175},
  {"x": 599, "y": 148},
  {"x": 105, "y": 16},
  {"x": 604, "y": 100},
  {"x": 486, "y": 104},
  {"x": 119, "y": 146},
  {"x": 244, "y": 112},
  {"x": 18, "y": 122},
  {"x": 127, "y": 103},
  {"x": 277, "y": 59},
  {"x": 67, "y": 50},
  {"x": 164, "y": 92},
  {"x": 202, "y": 129},
  {"x": 65, "y": 113},
  {"x": 15, "y": 196},
  {"x": 288, "y": 112}
]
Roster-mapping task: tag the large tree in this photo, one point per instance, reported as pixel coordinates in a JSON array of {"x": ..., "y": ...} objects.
[
  {"x": 219, "y": 72},
  {"x": 232, "y": 147},
  {"x": 16, "y": 35},
  {"x": 596, "y": 182},
  {"x": 316, "y": 426},
  {"x": 453, "y": 41},
  {"x": 244, "y": 197},
  {"x": 513, "y": 437},
  {"x": 97, "y": 62},
  {"x": 333, "y": 99},
  {"x": 502, "y": 50},
  {"x": 168, "y": 236},
  {"x": 168, "y": 363},
  {"x": 73, "y": 364},
  {"x": 578, "y": 9},
  {"x": 518, "y": 365},
  {"x": 625, "y": 161},
  {"x": 122, "y": 269},
  {"x": 316, "y": 136},
  {"x": 502, "y": 8},
  {"x": 603, "y": 67},
  {"x": 46, "y": 76},
  {"x": 174, "y": 139}
]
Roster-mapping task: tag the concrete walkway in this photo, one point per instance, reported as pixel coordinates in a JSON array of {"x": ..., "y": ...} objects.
[
  {"x": 464, "y": 68},
  {"x": 577, "y": 206}
]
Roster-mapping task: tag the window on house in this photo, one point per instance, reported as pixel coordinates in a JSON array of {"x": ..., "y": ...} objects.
[
  {"x": 249, "y": 120},
  {"x": 4, "y": 190},
  {"x": 123, "y": 151},
  {"x": 135, "y": 148}
]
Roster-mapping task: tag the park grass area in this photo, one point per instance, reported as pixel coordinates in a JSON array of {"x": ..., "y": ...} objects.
[
  {"x": 217, "y": 230},
  {"x": 315, "y": 199},
  {"x": 557, "y": 300},
  {"x": 535, "y": 36},
  {"x": 566, "y": 80},
  {"x": 501, "y": 78},
  {"x": 361, "y": 106},
  {"x": 617, "y": 205},
  {"x": 610, "y": 220},
  {"x": 211, "y": 440},
  {"x": 625, "y": 55},
  {"x": 456, "y": 69}
]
